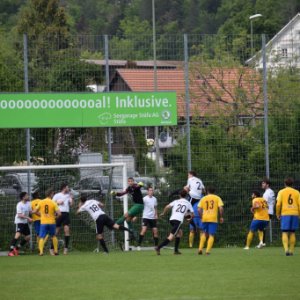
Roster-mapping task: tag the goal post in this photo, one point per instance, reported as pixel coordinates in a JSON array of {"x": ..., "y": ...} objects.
[{"x": 82, "y": 179}]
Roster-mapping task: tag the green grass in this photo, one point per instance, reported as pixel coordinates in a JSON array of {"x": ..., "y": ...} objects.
[{"x": 231, "y": 273}]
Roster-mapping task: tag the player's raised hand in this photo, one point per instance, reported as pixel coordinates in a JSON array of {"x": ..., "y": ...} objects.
[
  {"x": 141, "y": 183},
  {"x": 113, "y": 193}
]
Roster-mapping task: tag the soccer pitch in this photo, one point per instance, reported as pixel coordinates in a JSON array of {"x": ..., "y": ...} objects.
[{"x": 225, "y": 274}]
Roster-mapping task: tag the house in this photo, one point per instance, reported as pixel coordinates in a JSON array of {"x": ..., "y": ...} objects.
[
  {"x": 283, "y": 50},
  {"x": 212, "y": 92}
]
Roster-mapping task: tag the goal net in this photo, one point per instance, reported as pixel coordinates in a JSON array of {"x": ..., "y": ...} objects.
[{"x": 93, "y": 180}]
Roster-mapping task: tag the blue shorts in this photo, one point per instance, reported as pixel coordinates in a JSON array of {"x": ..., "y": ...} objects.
[
  {"x": 37, "y": 226},
  {"x": 47, "y": 229},
  {"x": 258, "y": 225},
  {"x": 289, "y": 223},
  {"x": 210, "y": 227},
  {"x": 197, "y": 222}
]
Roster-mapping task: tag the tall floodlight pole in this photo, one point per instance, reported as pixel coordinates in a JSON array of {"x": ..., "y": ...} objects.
[
  {"x": 251, "y": 18},
  {"x": 157, "y": 152}
]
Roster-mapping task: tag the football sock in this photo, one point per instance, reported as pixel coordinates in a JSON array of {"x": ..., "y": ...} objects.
[
  {"x": 102, "y": 243},
  {"x": 46, "y": 238},
  {"x": 155, "y": 241},
  {"x": 285, "y": 241},
  {"x": 292, "y": 241},
  {"x": 55, "y": 244},
  {"x": 191, "y": 238},
  {"x": 41, "y": 245},
  {"x": 164, "y": 243},
  {"x": 120, "y": 220},
  {"x": 13, "y": 244},
  {"x": 37, "y": 240},
  {"x": 264, "y": 236},
  {"x": 210, "y": 243},
  {"x": 67, "y": 240},
  {"x": 249, "y": 238},
  {"x": 260, "y": 236},
  {"x": 177, "y": 241},
  {"x": 141, "y": 237},
  {"x": 202, "y": 241}
]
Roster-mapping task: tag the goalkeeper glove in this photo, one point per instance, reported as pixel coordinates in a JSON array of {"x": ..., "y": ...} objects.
[
  {"x": 113, "y": 193},
  {"x": 141, "y": 183}
]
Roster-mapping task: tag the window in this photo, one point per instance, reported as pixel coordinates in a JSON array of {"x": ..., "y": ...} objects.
[{"x": 284, "y": 52}]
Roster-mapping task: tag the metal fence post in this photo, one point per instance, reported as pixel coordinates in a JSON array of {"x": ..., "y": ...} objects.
[
  {"x": 28, "y": 154},
  {"x": 266, "y": 129},
  {"x": 156, "y": 131},
  {"x": 187, "y": 101},
  {"x": 106, "y": 54}
]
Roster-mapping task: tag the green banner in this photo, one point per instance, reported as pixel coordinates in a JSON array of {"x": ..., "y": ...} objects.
[{"x": 35, "y": 110}]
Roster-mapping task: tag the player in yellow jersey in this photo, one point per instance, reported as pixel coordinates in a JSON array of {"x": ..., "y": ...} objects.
[
  {"x": 209, "y": 208},
  {"x": 260, "y": 220},
  {"x": 288, "y": 212},
  {"x": 48, "y": 210}
]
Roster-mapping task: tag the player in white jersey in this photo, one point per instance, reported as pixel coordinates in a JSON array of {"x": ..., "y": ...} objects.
[
  {"x": 195, "y": 187},
  {"x": 94, "y": 208},
  {"x": 180, "y": 208},
  {"x": 196, "y": 190},
  {"x": 22, "y": 219},
  {"x": 149, "y": 217},
  {"x": 64, "y": 200},
  {"x": 269, "y": 196}
]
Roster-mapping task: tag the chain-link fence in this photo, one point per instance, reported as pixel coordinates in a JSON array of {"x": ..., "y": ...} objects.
[{"x": 238, "y": 114}]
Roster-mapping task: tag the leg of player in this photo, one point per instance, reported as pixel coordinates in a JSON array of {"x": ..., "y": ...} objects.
[
  {"x": 12, "y": 249},
  {"x": 122, "y": 219},
  {"x": 56, "y": 234},
  {"x": 164, "y": 243},
  {"x": 99, "y": 237},
  {"x": 202, "y": 243},
  {"x": 249, "y": 240},
  {"x": 177, "y": 241},
  {"x": 43, "y": 233},
  {"x": 191, "y": 237},
  {"x": 141, "y": 236},
  {"x": 285, "y": 242},
  {"x": 121, "y": 227},
  {"x": 67, "y": 238},
  {"x": 210, "y": 243},
  {"x": 155, "y": 235},
  {"x": 292, "y": 242}
]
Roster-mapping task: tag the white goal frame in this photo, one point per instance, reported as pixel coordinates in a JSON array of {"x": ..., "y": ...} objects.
[{"x": 80, "y": 166}]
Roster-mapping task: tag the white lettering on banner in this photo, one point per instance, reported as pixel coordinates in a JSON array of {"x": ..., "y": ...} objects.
[
  {"x": 100, "y": 103},
  {"x": 137, "y": 102}
]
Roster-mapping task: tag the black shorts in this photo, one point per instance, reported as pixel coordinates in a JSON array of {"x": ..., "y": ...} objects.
[
  {"x": 23, "y": 228},
  {"x": 64, "y": 219},
  {"x": 104, "y": 220},
  {"x": 175, "y": 226},
  {"x": 150, "y": 223}
]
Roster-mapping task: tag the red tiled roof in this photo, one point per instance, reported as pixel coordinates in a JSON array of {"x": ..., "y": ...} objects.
[{"x": 211, "y": 91}]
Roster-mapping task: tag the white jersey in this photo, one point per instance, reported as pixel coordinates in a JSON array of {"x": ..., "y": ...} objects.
[
  {"x": 180, "y": 208},
  {"x": 269, "y": 196},
  {"x": 25, "y": 209},
  {"x": 92, "y": 207},
  {"x": 66, "y": 198},
  {"x": 150, "y": 203},
  {"x": 195, "y": 185}
]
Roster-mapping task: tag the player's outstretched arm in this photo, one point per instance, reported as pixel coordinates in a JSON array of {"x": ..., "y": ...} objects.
[
  {"x": 166, "y": 208},
  {"x": 221, "y": 212}
]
